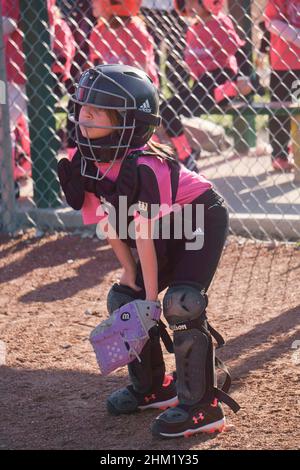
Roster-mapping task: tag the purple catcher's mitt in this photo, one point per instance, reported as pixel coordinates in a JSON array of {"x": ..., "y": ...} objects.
[{"x": 120, "y": 339}]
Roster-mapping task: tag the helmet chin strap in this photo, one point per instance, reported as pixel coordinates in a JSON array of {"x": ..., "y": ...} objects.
[
  {"x": 97, "y": 174},
  {"x": 94, "y": 161}
]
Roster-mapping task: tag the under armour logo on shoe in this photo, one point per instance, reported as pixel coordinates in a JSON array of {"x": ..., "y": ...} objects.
[
  {"x": 146, "y": 107},
  {"x": 151, "y": 397},
  {"x": 199, "y": 418}
]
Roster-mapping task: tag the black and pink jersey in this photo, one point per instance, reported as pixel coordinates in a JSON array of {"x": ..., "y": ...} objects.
[{"x": 160, "y": 184}]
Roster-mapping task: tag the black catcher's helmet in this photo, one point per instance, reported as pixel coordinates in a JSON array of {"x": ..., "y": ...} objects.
[{"x": 131, "y": 93}]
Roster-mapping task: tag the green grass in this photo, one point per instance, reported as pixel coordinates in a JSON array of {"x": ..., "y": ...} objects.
[
  {"x": 61, "y": 116},
  {"x": 60, "y": 121}
]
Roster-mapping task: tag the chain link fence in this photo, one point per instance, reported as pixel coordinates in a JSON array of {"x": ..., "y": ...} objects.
[{"x": 229, "y": 86}]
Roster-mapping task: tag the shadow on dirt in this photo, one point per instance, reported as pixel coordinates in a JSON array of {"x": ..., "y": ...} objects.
[{"x": 65, "y": 409}]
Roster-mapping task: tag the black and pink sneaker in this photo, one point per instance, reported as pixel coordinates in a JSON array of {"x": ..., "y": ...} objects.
[
  {"x": 127, "y": 400},
  {"x": 186, "y": 420}
]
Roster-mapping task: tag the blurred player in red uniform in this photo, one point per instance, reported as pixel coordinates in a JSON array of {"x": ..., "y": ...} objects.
[
  {"x": 16, "y": 79},
  {"x": 63, "y": 47},
  {"x": 121, "y": 36},
  {"x": 283, "y": 22},
  {"x": 210, "y": 54}
]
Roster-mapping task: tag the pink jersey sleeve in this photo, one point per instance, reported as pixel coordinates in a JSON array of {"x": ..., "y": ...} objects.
[
  {"x": 156, "y": 189},
  {"x": 191, "y": 185}
]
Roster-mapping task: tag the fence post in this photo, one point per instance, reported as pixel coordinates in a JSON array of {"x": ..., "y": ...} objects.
[
  {"x": 8, "y": 210},
  {"x": 295, "y": 134},
  {"x": 41, "y": 102},
  {"x": 244, "y": 125}
]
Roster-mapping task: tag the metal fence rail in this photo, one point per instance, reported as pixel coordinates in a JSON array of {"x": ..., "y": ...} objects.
[{"x": 44, "y": 46}]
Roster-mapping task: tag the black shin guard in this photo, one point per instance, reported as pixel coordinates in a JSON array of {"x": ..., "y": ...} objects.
[
  {"x": 195, "y": 363},
  {"x": 184, "y": 309}
]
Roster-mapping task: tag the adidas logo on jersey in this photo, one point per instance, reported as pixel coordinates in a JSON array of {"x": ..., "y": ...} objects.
[
  {"x": 198, "y": 231},
  {"x": 146, "y": 107}
]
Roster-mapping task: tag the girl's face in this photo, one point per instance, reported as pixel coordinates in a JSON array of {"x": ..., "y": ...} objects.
[{"x": 90, "y": 117}]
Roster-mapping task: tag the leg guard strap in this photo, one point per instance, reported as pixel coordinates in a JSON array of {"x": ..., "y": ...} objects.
[
  {"x": 225, "y": 398},
  {"x": 166, "y": 338},
  {"x": 216, "y": 335},
  {"x": 227, "y": 382}
]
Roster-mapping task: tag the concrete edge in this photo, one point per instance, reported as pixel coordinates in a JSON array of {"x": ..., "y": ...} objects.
[
  {"x": 260, "y": 226},
  {"x": 58, "y": 219},
  {"x": 266, "y": 226}
]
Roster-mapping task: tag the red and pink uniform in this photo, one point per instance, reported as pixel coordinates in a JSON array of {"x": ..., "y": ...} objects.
[
  {"x": 130, "y": 44},
  {"x": 284, "y": 55},
  {"x": 63, "y": 48},
  {"x": 14, "y": 55},
  {"x": 14, "y": 45},
  {"x": 212, "y": 45}
]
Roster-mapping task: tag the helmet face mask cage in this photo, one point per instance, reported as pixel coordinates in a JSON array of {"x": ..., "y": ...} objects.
[
  {"x": 105, "y": 91},
  {"x": 103, "y": 149},
  {"x": 112, "y": 145}
]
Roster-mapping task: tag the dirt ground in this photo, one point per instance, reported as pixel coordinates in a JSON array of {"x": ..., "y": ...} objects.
[{"x": 52, "y": 396}]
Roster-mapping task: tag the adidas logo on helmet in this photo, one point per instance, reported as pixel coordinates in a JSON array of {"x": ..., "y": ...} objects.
[{"x": 145, "y": 107}]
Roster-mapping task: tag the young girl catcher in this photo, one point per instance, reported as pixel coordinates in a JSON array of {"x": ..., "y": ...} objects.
[{"x": 116, "y": 113}]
